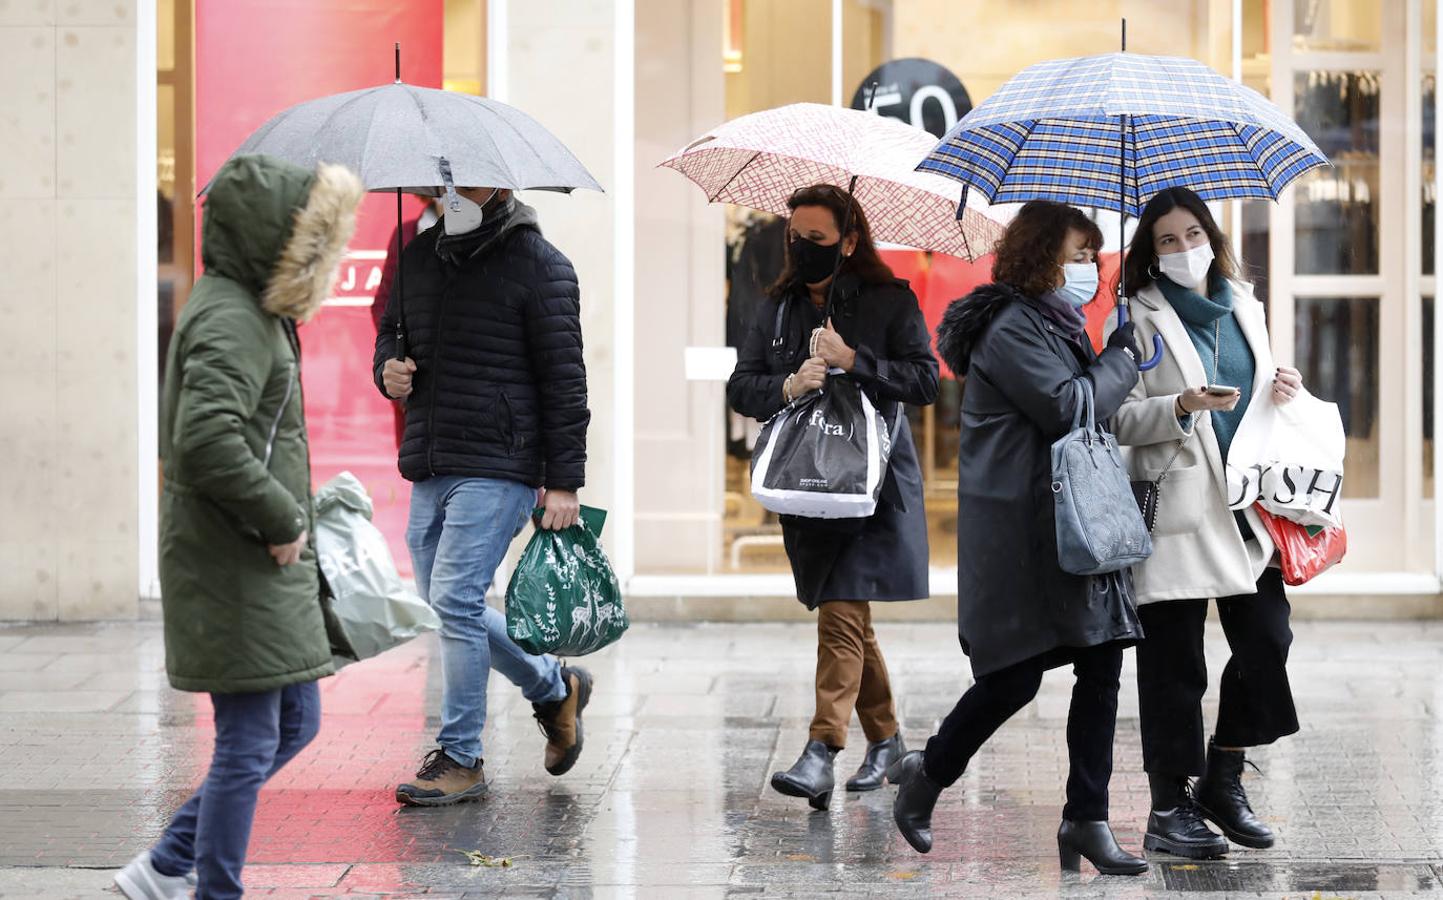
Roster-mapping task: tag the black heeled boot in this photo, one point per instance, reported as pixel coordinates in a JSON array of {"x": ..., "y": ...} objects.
[
  {"x": 1223, "y": 801},
  {"x": 810, "y": 776},
  {"x": 1176, "y": 825},
  {"x": 879, "y": 758},
  {"x": 916, "y": 798},
  {"x": 1095, "y": 841}
]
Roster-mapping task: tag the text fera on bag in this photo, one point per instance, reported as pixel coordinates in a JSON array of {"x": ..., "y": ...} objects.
[{"x": 817, "y": 420}]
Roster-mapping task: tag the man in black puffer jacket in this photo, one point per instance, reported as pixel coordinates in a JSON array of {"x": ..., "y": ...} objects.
[{"x": 495, "y": 392}]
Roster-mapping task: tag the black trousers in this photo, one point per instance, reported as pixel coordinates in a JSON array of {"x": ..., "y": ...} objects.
[
  {"x": 1255, "y": 705},
  {"x": 997, "y": 697}
]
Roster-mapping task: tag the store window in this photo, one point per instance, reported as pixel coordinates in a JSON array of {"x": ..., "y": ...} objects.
[
  {"x": 1337, "y": 26},
  {"x": 1337, "y": 343},
  {"x": 1425, "y": 339},
  {"x": 1337, "y": 208},
  {"x": 1428, "y": 200},
  {"x": 443, "y": 43},
  {"x": 767, "y": 65},
  {"x": 175, "y": 170}
]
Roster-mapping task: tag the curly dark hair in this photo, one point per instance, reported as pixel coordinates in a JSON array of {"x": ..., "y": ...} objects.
[
  {"x": 1139, "y": 271},
  {"x": 1027, "y": 254},
  {"x": 865, "y": 262}
]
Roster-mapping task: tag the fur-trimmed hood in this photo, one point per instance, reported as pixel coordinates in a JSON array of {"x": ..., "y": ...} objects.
[
  {"x": 280, "y": 230},
  {"x": 965, "y": 321}
]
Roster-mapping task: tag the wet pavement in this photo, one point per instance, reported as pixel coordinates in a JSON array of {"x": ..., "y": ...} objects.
[{"x": 670, "y": 797}]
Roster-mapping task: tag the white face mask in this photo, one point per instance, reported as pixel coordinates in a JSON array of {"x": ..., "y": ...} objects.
[
  {"x": 463, "y": 215},
  {"x": 1079, "y": 284},
  {"x": 1189, "y": 268}
]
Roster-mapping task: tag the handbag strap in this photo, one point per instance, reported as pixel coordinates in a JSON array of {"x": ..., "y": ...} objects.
[
  {"x": 777, "y": 337},
  {"x": 1085, "y": 412},
  {"x": 1175, "y": 454}
]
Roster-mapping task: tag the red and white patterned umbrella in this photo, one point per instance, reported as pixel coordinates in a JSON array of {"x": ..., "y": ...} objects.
[{"x": 758, "y": 160}]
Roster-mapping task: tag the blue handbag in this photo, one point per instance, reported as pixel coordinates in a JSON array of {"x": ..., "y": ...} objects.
[{"x": 1099, "y": 527}]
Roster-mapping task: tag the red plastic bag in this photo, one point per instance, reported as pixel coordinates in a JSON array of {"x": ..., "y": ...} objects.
[{"x": 1305, "y": 552}]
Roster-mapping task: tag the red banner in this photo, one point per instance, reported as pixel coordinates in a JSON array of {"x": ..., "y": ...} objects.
[{"x": 255, "y": 58}]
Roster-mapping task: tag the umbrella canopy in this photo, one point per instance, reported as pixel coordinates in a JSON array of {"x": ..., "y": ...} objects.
[
  {"x": 758, "y": 160},
  {"x": 415, "y": 139},
  {"x": 1111, "y": 131}
]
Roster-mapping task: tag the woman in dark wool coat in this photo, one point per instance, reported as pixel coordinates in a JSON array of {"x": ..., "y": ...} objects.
[
  {"x": 1020, "y": 343},
  {"x": 877, "y": 336}
]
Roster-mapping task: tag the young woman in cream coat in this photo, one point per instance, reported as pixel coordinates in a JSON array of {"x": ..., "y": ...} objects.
[{"x": 1183, "y": 281}]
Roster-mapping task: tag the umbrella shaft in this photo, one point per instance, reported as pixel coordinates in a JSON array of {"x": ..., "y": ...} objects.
[{"x": 837, "y": 267}]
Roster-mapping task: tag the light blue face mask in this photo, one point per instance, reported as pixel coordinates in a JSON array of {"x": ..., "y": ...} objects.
[{"x": 1079, "y": 284}]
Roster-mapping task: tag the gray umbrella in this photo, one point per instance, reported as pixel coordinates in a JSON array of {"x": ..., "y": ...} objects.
[
  {"x": 403, "y": 136},
  {"x": 416, "y": 140}
]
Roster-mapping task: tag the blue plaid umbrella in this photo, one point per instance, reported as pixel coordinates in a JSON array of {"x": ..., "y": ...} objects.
[{"x": 1111, "y": 131}]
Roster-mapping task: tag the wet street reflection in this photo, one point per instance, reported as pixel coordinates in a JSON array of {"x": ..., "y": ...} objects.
[{"x": 670, "y": 797}]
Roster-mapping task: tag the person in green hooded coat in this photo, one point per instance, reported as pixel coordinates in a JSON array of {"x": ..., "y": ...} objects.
[{"x": 240, "y": 584}]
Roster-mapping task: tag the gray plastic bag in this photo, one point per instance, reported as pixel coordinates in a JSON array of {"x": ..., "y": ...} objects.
[{"x": 369, "y": 604}]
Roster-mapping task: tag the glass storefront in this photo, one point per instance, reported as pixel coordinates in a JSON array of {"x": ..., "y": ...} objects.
[
  {"x": 1346, "y": 67},
  {"x": 1344, "y": 263},
  {"x": 204, "y": 108}
]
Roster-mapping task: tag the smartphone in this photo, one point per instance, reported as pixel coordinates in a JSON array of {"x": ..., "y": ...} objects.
[{"x": 1221, "y": 390}]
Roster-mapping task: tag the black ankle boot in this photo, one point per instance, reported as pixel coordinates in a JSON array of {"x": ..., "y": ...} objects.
[
  {"x": 1222, "y": 799},
  {"x": 1176, "y": 823},
  {"x": 880, "y": 756},
  {"x": 1095, "y": 841},
  {"x": 916, "y": 798},
  {"x": 810, "y": 776}
]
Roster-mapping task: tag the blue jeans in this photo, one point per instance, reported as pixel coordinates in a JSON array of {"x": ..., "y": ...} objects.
[
  {"x": 255, "y": 735},
  {"x": 459, "y": 532}
]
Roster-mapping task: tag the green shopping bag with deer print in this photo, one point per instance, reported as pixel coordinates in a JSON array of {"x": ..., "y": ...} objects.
[{"x": 563, "y": 597}]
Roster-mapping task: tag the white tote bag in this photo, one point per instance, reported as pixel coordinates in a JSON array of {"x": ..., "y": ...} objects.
[
  {"x": 1289, "y": 458},
  {"x": 824, "y": 456}
]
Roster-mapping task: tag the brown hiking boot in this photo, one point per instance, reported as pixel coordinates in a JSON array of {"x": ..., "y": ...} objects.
[
  {"x": 560, "y": 720},
  {"x": 442, "y": 781}
]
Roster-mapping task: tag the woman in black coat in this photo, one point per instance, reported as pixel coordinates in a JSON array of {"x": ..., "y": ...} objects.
[
  {"x": 1020, "y": 343},
  {"x": 877, "y": 335}
]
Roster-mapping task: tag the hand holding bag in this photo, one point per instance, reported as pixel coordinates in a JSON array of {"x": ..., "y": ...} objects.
[
  {"x": 825, "y": 455},
  {"x": 1289, "y": 459},
  {"x": 563, "y": 597},
  {"x": 1099, "y": 526}
]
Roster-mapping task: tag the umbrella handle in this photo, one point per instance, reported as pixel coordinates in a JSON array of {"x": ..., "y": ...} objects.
[{"x": 1150, "y": 364}]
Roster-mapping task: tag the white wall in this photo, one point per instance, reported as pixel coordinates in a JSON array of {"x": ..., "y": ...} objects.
[
  {"x": 559, "y": 69},
  {"x": 680, "y": 296},
  {"x": 68, "y": 424}
]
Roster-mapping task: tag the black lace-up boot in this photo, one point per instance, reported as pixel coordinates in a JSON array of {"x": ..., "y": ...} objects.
[
  {"x": 1223, "y": 801},
  {"x": 1176, "y": 823}
]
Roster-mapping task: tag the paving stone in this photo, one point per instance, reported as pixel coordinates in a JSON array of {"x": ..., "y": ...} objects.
[{"x": 671, "y": 797}]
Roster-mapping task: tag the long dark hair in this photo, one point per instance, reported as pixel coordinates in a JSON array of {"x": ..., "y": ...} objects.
[
  {"x": 1027, "y": 254},
  {"x": 865, "y": 263},
  {"x": 1140, "y": 269}
]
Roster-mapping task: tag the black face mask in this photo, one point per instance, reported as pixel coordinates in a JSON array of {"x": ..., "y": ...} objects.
[{"x": 814, "y": 262}]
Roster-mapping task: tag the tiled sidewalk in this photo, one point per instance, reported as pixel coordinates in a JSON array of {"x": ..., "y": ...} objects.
[{"x": 670, "y": 798}]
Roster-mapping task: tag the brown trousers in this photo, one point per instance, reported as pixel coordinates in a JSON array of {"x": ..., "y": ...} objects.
[{"x": 850, "y": 674}]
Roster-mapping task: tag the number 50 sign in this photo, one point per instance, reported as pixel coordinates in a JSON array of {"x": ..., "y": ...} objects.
[{"x": 919, "y": 92}]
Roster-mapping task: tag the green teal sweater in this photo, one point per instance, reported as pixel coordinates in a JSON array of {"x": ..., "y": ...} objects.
[{"x": 1235, "y": 364}]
